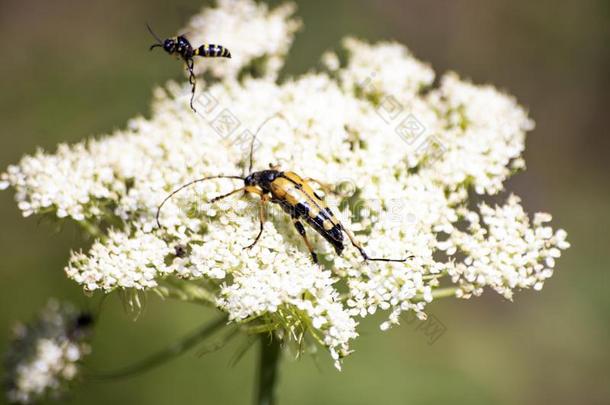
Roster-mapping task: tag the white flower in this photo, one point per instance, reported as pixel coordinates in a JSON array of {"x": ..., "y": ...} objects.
[
  {"x": 45, "y": 355},
  {"x": 122, "y": 261},
  {"x": 402, "y": 155},
  {"x": 386, "y": 68}
]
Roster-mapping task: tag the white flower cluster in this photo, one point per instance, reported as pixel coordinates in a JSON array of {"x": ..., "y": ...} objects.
[
  {"x": 385, "y": 68},
  {"x": 130, "y": 262},
  {"x": 504, "y": 251},
  {"x": 402, "y": 156},
  {"x": 45, "y": 355}
]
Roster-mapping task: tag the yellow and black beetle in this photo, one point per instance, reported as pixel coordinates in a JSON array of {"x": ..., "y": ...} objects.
[
  {"x": 296, "y": 197},
  {"x": 181, "y": 47}
]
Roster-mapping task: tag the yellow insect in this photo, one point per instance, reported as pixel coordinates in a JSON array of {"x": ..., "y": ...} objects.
[{"x": 296, "y": 197}]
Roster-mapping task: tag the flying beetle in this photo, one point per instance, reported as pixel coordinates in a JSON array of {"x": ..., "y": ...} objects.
[
  {"x": 295, "y": 196},
  {"x": 182, "y": 48}
]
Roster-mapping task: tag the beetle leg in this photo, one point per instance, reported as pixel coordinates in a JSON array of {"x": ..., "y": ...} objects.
[
  {"x": 189, "y": 65},
  {"x": 365, "y": 256},
  {"x": 301, "y": 231},
  {"x": 262, "y": 218},
  {"x": 326, "y": 187}
]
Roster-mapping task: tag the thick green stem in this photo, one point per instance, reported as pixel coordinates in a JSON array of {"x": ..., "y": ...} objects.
[
  {"x": 171, "y": 351},
  {"x": 268, "y": 370}
]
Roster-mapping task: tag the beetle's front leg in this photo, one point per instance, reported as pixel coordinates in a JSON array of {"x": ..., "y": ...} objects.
[{"x": 262, "y": 214}]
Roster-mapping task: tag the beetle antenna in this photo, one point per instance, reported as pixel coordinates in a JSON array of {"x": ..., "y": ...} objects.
[
  {"x": 155, "y": 36},
  {"x": 190, "y": 183},
  {"x": 365, "y": 256},
  {"x": 276, "y": 115}
]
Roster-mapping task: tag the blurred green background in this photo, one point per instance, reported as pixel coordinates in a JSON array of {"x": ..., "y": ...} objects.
[{"x": 74, "y": 69}]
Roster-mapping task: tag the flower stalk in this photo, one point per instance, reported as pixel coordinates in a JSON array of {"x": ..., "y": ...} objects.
[
  {"x": 268, "y": 370},
  {"x": 173, "y": 350}
]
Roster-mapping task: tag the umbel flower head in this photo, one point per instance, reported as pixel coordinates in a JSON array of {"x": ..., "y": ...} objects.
[
  {"x": 44, "y": 356},
  {"x": 409, "y": 163}
]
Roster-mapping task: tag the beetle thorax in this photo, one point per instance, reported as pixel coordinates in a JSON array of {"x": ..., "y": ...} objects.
[{"x": 263, "y": 179}]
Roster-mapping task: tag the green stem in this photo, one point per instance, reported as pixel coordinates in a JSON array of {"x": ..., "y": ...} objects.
[
  {"x": 171, "y": 351},
  {"x": 444, "y": 292},
  {"x": 268, "y": 369},
  {"x": 172, "y": 288},
  {"x": 93, "y": 230},
  {"x": 439, "y": 293}
]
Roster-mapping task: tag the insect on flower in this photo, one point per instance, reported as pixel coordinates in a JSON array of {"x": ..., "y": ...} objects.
[
  {"x": 296, "y": 197},
  {"x": 182, "y": 48}
]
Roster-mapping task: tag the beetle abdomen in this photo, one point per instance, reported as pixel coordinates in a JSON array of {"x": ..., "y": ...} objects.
[
  {"x": 298, "y": 200},
  {"x": 212, "y": 51}
]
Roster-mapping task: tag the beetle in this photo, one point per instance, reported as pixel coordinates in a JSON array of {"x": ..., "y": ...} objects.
[
  {"x": 181, "y": 47},
  {"x": 295, "y": 195}
]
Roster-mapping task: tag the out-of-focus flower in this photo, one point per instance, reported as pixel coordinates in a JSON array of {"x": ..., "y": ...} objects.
[
  {"x": 412, "y": 154},
  {"x": 45, "y": 355}
]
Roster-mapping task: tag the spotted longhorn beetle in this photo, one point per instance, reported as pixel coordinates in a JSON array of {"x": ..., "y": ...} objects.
[
  {"x": 296, "y": 197},
  {"x": 182, "y": 48}
]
